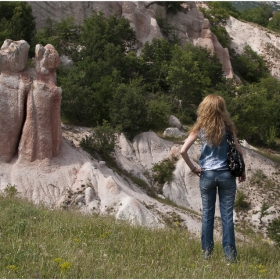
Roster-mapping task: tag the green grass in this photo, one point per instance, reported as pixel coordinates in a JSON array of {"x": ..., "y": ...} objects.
[{"x": 41, "y": 243}]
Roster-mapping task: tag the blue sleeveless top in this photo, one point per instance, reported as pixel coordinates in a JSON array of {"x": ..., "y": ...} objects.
[{"x": 213, "y": 157}]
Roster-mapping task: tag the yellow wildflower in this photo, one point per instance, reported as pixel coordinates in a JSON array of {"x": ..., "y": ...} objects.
[
  {"x": 58, "y": 260},
  {"x": 76, "y": 240},
  {"x": 65, "y": 265},
  {"x": 12, "y": 267}
]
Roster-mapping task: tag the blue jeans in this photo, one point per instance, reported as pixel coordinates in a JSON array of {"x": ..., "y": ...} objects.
[{"x": 225, "y": 183}]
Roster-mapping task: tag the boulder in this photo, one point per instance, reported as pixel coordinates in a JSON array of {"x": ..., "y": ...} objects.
[
  {"x": 150, "y": 149},
  {"x": 66, "y": 62},
  {"x": 137, "y": 214},
  {"x": 174, "y": 122},
  {"x": 174, "y": 132}
]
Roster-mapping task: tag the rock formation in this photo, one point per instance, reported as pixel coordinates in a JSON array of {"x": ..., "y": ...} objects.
[
  {"x": 29, "y": 102},
  {"x": 41, "y": 134}
]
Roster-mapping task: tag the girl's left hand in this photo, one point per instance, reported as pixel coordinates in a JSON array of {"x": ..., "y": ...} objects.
[{"x": 242, "y": 178}]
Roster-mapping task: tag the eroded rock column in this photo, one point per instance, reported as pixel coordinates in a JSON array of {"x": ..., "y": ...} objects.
[{"x": 41, "y": 135}]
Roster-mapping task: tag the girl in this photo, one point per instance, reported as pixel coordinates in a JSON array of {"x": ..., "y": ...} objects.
[{"x": 210, "y": 128}]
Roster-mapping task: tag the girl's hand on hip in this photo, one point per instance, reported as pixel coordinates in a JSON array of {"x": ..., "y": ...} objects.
[
  {"x": 242, "y": 178},
  {"x": 197, "y": 171}
]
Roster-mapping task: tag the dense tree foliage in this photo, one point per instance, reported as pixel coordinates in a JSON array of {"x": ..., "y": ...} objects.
[
  {"x": 274, "y": 23},
  {"x": 259, "y": 15},
  {"x": 110, "y": 82},
  {"x": 263, "y": 15},
  {"x": 254, "y": 113},
  {"x": 64, "y": 36},
  {"x": 16, "y": 21},
  {"x": 249, "y": 65}
]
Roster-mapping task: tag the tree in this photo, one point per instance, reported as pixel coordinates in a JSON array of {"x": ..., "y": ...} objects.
[
  {"x": 101, "y": 140},
  {"x": 274, "y": 23},
  {"x": 259, "y": 15},
  {"x": 155, "y": 55},
  {"x": 129, "y": 110},
  {"x": 97, "y": 32},
  {"x": 106, "y": 59},
  {"x": 171, "y": 7},
  {"x": 64, "y": 36},
  {"x": 16, "y": 21},
  {"x": 191, "y": 74},
  {"x": 158, "y": 109},
  {"x": 87, "y": 94},
  {"x": 254, "y": 113},
  {"x": 249, "y": 65}
]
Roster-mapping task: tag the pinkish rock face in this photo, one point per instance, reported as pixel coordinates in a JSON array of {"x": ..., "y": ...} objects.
[
  {"x": 13, "y": 55},
  {"x": 13, "y": 94},
  {"x": 41, "y": 134},
  {"x": 29, "y": 104},
  {"x": 47, "y": 59}
]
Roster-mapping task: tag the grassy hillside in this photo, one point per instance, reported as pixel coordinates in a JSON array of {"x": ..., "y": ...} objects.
[{"x": 41, "y": 243}]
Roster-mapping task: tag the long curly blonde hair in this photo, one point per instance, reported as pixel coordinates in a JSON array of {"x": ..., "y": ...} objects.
[{"x": 212, "y": 118}]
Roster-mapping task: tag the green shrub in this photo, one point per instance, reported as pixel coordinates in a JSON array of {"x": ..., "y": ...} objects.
[
  {"x": 274, "y": 231},
  {"x": 249, "y": 65},
  {"x": 240, "y": 201},
  {"x": 102, "y": 139},
  {"x": 263, "y": 211},
  {"x": 163, "y": 171},
  {"x": 258, "y": 177},
  {"x": 271, "y": 136},
  {"x": 10, "y": 190}
]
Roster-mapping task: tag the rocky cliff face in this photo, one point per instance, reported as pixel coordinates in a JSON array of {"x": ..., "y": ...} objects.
[
  {"x": 189, "y": 23},
  {"x": 263, "y": 41}
]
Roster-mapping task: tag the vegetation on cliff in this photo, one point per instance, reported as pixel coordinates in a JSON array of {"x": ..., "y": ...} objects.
[{"x": 16, "y": 21}]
